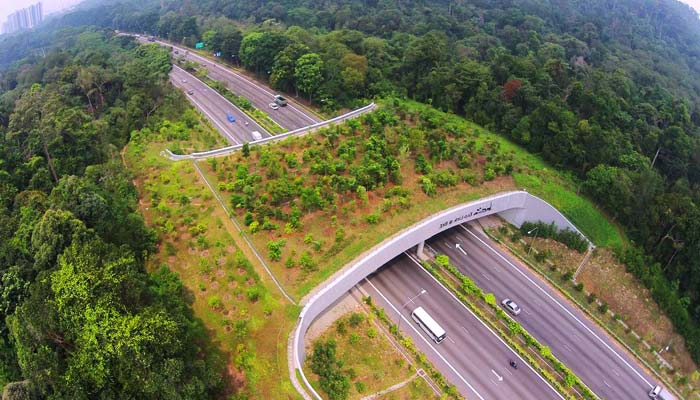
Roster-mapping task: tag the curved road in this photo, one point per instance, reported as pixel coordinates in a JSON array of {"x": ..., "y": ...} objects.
[
  {"x": 579, "y": 343},
  {"x": 472, "y": 357}
]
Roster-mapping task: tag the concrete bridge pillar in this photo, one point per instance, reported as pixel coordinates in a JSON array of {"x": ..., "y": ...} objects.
[{"x": 419, "y": 251}]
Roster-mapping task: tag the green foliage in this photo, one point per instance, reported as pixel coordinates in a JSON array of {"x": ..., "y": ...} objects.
[
  {"x": 275, "y": 249},
  {"x": 215, "y": 302},
  {"x": 372, "y": 219},
  {"x": 603, "y": 308},
  {"x": 577, "y": 93},
  {"x": 571, "y": 239},
  {"x": 307, "y": 262},
  {"x": 442, "y": 260},
  {"x": 428, "y": 186},
  {"x": 356, "y": 319},
  {"x": 490, "y": 299},
  {"x": 354, "y": 338},
  {"x": 113, "y": 333},
  {"x": 326, "y": 366}
]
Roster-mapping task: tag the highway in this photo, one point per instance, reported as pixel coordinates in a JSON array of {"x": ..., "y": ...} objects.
[
  {"x": 290, "y": 117},
  {"x": 216, "y": 108},
  {"x": 579, "y": 343},
  {"x": 472, "y": 357}
]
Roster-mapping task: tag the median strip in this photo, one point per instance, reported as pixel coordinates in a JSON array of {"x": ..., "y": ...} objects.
[
  {"x": 530, "y": 349},
  {"x": 244, "y": 104}
]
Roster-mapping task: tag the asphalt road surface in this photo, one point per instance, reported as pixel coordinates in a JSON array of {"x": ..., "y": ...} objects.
[
  {"x": 472, "y": 357},
  {"x": 289, "y": 117},
  {"x": 579, "y": 343},
  {"x": 216, "y": 108}
]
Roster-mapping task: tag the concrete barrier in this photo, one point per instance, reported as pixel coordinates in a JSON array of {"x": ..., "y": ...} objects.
[
  {"x": 516, "y": 207},
  {"x": 224, "y": 151}
]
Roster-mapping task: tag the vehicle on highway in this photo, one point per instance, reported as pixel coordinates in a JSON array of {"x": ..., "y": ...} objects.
[
  {"x": 280, "y": 101},
  {"x": 230, "y": 118},
  {"x": 511, "y": 306},
  {"x": 660, "y": 393},
  {"x": 256, "y": 135},
  {"x": 151, "y": 39},
  {"x": 190, "y": 92},
  {"x": 184, "y": 81},
  {"x": 177, "y": 52},
  {"x": 274, "y": 106},
  {"x": 513, "y": 364},
  {"x": 432, "y": 328}
]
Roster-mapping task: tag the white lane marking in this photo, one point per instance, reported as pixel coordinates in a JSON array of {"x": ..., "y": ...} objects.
[
  {"x": 566, "y": 346},
  {"x": 241, "y": 77},
  {"x": 451, "y": 340},
  {"x": 223, "y": 129},
  {"x": 467, "y": 330},
  {"x": 425, "y": 340},
  {"x": 448, "y": 245},
  {"x": 253, "y": 123},
  {"x": 527, "y": 312},
  {"x": 486, "y": 276},
  {"x": 561, "y": 306},
  {"x": 607, "y": 384},
  {"x": 482, "y": 322},
  {"x": 458, "y": 246},
  {"x": 500, "y": 378},
  {"x": 615, "y": 371}
]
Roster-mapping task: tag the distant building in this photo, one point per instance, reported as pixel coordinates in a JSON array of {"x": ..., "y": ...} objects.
[{"x": 26, "y": 18}]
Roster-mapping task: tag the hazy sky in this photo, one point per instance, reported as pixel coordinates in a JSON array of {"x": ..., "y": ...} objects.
[
  {"x": 7, "y": 7},
  {"x": 693, "y": 3}
]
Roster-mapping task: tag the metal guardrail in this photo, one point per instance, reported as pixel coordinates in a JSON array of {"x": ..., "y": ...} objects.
[{"x": 224, "y": 151}]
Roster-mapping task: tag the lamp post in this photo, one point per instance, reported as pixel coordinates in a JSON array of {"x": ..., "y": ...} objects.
[
  {"x": 533, "y": 238},
  {"x": 410, "y": 300}
]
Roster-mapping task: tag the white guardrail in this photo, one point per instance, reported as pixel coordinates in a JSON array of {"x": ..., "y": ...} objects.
[
  {"x": 516, "y": 207},
  {"x": 224, "y": 151}
]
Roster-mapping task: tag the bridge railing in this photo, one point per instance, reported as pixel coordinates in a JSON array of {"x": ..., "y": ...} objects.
[{"x": 224, "y": 151}]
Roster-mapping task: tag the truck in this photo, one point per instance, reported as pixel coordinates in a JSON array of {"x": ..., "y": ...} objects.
[{"x": 659, "y": 393}]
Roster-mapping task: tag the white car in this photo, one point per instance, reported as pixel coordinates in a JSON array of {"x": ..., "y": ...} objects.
[
  {"x": 184, "y": 81},
  {"x": 274, "y": 106},
  {"x": 510, "y": 305}
]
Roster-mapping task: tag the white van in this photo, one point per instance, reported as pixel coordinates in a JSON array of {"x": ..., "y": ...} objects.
[{"x": 256, "y": 135}]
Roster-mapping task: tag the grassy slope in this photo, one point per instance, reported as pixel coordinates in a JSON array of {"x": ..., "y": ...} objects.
[
  {"x": 556, "y": 187},
  {"x": 198, "y": 242},
  {"x": 349, "y": 212},
  {"x": 219, "y": 277}
]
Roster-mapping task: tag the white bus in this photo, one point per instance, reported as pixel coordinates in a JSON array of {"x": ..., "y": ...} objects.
[{"x": 429, "y": 325}]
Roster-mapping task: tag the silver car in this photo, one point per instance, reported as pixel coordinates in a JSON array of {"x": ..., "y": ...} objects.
[{"x": 510, "y": 305}]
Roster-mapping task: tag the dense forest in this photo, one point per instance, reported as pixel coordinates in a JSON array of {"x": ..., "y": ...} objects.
[
  {"x": 608, "y": 90},
  {"x": 82, "y": 319}
]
